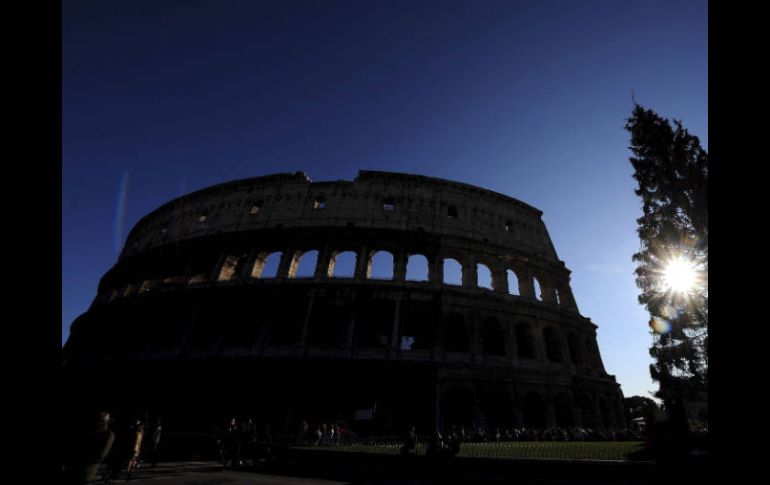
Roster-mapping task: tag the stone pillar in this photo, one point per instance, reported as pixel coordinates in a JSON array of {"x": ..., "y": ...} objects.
[
  {"x": 597, "y": 358},
  {"x": 286, "y": 264},
  {"x": 248, "y": 264},
  {"x": 475, "y": 344},
  {"x": 362, "y": 264},
  {"x": 399, "y": 266},
  {"x": 550, "y": 413},
  {"x": 470, "y": 275},
  {"x": 548, "y": 293},
  {"x": 597, "y": 411},
  {"x": 566, "y": 357},
  {"x": 537, "y": 333},
  {"x": 435, "y": 269},
  {"x": 212, "y": 277},
  {"x": 395, "y": 343},
  {"x": 303, "y": 347},
  {"x": 513, "y": 343},
  {"x": 500, "y": 280},
  {"x": 613, "y": 422},
  {"x": 526, "y": 287},
  {"x": 568, "y": 300},
  {"x": 351, "y": 328},
  {"x": 577, "y": 416},
  {"x": 322, "y": 264}
]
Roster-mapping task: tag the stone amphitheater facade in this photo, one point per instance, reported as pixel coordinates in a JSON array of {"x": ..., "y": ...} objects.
[{"x": 234, "y": 300}]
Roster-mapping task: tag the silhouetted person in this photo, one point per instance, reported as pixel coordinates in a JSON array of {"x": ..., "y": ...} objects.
[
  {"x": 436, "y": 445},
  {"x": 232, "y": 444},
  {"x": 93, "y": 450},
  {"x": 137, "y": 438},
  {"x": 153, "y": 442},
  {"x": 302, "y": 435},
  {"x": 118, "y": 458},
  {"x": 250, "y": 441},
  {"x": 453, "y": 442},
  {"x": 461, "y": 434},
  {"x": 410, "y": 443},
  {"x": 264, "y": 445}
]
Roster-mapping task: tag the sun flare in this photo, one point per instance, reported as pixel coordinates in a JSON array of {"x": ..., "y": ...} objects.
[{"x": 679, "y": 275}]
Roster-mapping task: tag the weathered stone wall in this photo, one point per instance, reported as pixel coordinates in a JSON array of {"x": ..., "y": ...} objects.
[
  {"x": 191, "y": 283},
  {"x": 419, "y": 204}
]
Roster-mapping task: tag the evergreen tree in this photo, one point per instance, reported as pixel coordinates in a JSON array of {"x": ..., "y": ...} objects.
[
  {"x": 671, "y": 169},
  {"x": 641, "y": 407}
]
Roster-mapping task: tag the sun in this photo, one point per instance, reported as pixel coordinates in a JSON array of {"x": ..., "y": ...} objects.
[{"x": 679, "y": 275}]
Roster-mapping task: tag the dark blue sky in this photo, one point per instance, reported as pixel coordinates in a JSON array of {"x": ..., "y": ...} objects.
[{"x": 527, "y": 98}]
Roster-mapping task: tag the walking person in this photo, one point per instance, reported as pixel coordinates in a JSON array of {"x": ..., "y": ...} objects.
[
  {"x": 137, "y": 437},
  {"x": 93, "y": 450},
  {"x": 410, "y": 442},
  {"x": 118, "y": 458},
  {"x": 153, "y": 441},
  {"x": 232, "y": 444}
]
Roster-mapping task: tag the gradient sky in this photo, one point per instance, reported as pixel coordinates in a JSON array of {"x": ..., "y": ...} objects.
[{"x": 527, "y": 98}]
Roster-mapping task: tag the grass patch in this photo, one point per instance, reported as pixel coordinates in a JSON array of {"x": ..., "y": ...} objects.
[{"x": 610, "y": 450}]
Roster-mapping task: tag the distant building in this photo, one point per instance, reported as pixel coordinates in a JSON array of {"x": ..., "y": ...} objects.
[{"x": 230, "y": 300}]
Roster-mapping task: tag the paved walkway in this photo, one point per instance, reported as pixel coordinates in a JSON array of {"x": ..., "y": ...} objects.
[{"x": 209, "y": 473}]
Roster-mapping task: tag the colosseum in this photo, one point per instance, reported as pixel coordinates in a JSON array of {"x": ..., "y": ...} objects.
[{"x": 289, "y": 299}]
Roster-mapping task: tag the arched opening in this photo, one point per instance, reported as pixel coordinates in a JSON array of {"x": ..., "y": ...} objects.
[
  {"x": 562, "y": 406},
  {"x": 381, "y": 267},
  {"x": 417, "y": 268},
  {"x": 197, "y": 279},
  {"x": 417, "y": 326},
  {"x": 525, "y": 341},
  {"x": 513, "y": 283},
  {"x": 457, "y": 408},
  {"x": 534, "y": 411},
  {"x": 538, "y": 289},
  {"x": 267, "y": 266},
  {"x": 456, "y": 338},
  {"x": 237, "y": 332},
  {"x": 493, "y": 337},
  {"x": 171, "y": 282},
  {"x": 484, "y": 276},
  {"x": 374, "y": 323},
  {"x": 229, "y": 266},
  {"x": 498, "y": 408},
  {"x": 557, "y": 296},
  {"x": 205, "y": 329},
  {"x": 147, "y": 286},
  {"x": 256, "y": 208},
  {"x": 343, "y": 265},
  {"x": 453, "y": 272},
  {"x": 306, "y": 264},
  {"x": 552, "y": 345},
  {"x": 575, "y": 353},
  {"x": 328, "y": 324},
  {"x": 586, "y": 408},
  {"x": 282, "y": 319}
]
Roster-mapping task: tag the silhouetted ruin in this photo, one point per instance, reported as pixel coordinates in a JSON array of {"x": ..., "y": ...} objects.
[{"x": 267, "y": 297}]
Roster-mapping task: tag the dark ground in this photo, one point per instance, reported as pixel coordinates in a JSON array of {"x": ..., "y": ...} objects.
[{"x": 330, "y": 468}]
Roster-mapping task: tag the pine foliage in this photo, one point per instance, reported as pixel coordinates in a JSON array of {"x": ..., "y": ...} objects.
[{"x": 671, "y": 169}]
